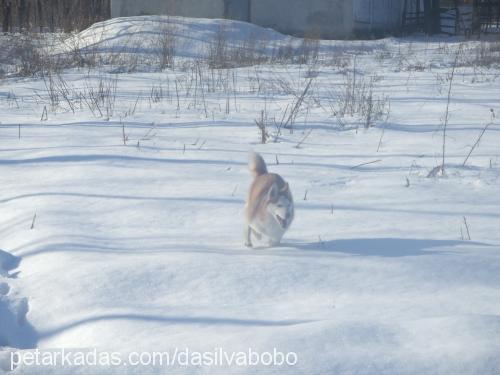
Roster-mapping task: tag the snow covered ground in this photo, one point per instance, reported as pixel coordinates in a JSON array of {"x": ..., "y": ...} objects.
[{"x": 122, "y": 211}]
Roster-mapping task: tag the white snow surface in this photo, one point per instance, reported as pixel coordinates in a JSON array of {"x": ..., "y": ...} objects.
[{"x": 139, "y": 247}]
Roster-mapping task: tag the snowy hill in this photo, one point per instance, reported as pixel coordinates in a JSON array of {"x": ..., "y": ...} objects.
[
  {"x": 122, "y": 209},
  {"x": 193, "y": 36}
]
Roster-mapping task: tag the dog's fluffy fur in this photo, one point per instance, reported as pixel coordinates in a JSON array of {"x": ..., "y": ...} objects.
[{"x": 269, "y": 208}]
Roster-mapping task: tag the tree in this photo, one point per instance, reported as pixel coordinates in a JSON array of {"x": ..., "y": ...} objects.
[
  {"x": 7, "y": 15},
  {"x": 21, "y": 14},
  {"x": 69, "y": 15}
]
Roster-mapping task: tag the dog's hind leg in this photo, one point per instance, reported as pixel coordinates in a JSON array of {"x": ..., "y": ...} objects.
[
  {"x": 256, "y": 234},
  {"x": 248, "y": 234}
]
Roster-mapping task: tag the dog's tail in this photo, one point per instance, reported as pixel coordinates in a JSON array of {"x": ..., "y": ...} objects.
[{"x": 257, "y": 165}]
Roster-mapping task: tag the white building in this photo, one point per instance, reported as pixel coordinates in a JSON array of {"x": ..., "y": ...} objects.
[{"x": 318, "y": 18}]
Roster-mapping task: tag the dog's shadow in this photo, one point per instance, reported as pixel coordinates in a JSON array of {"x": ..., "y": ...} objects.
[{"x": 384, "y": 247}]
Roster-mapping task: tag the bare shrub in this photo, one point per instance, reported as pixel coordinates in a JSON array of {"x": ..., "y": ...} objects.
[
  {"x": 308, "y": 52},
  {"x": 357, "y": 103},
  {"x": 297, "y": 104},
  {"x": 78, "y": 56},
  {"x": 417, "y": 66},
  {"x": 283, "y": 53},
  {"x": 30, "y": 54},
  {"x": 156, "y": 94},
  {"x": 476, "y": 144},
  {"x": 249, "y": 52},
  {"x": 440, "y": 169},
  {"x": 166, "y": 47},
  {"x": 262, "y": 123},
  {"x": 486, "y": 54},
  {"x": 56, "y": 90},
  {"x": 27, "y": 53},
  {"x": 101, "y": 98},
  {"x": 218, "y": 52}
]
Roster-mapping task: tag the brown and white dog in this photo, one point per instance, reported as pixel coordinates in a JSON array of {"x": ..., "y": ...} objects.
[{"x": 269, "y": 209}]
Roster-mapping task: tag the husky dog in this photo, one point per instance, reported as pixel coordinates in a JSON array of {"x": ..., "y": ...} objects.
[{"x": 269, "y": 208}]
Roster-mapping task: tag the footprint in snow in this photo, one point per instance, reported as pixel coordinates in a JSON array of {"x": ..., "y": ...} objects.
[
  {"x": 15, "y": 330},
  {"x": 5, "y": 360},
  {"x": 22, "y": 311}
]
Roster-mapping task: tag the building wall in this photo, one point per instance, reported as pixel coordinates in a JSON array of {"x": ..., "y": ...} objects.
[
  {"x": 377, "y": 16},
  {"x": 318, "y": 18},
  {"x": 186, "y": 8},
  {"x": 314, "y": 18},
  {"x": 237, "y": 10}
]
